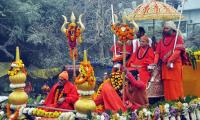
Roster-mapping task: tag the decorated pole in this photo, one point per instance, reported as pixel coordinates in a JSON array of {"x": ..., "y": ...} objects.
[
  {"x": 73, "y": 34},
  {"x": 124, "y": 33}
]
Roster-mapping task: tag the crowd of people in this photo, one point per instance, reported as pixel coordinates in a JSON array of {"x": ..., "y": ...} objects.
[{"x": 141, "y": 61}]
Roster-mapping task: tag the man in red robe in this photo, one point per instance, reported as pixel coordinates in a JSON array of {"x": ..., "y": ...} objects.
[
  {"x": 109, "y": 98},
  {"x": 63, "y": 94},
  {"x": 135, "y": 90},
  {"x": 119, "y": 51},
  {"x": 171, "y": 61}
]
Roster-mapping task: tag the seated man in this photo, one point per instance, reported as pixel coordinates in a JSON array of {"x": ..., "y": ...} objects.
[
  {"x": 63, "y": 94},
  {"x": 108, "y": 93},
  {"x": 139, "y": 63},
  {"x": 142, "y": 58}
]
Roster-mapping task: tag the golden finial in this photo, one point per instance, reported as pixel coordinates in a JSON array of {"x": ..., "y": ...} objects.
[
  {"x": 17, "y": 57},
  {"x": 73, "y": 18},
  {"x": 85, "y": 56}
]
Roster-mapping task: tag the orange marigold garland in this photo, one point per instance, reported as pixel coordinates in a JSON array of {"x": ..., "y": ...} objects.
[
  {"x": 123, "y": 32},
  {"x": 72, "y": 33},
  {"x": 16, "y": 67},
  {"x": 116, "y": 80},
  {"x": 57, "y": 96},
  {"x": 8, "y": 113},
  {"x": 96, "y": 94},
  {"x": 86, "y": 74}
]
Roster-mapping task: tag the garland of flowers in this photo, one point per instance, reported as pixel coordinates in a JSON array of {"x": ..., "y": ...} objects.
[
  {"x": 123, "y": 31},
  {"x": 116, "y": 80},
  {"x": 72, "y": 42},
  {"x": 99, "y": 89},
  {"x": 95, "y": 95},
  {"x": 197, "y": 55},
  {"x": 8, "y": 113},
  {"x": 16, "y": 67},
  {"x": 58, "y": 97},
  {"x": 86, "y": 74}
]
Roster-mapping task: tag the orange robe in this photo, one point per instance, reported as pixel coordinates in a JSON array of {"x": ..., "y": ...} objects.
[
  {"x": 110, "y": 99},
  {"x": 135, "y": 91},
  {"x": 137, "y": 62},
  {"x": 173, "y": 85},
  {"x": 71, "y": 96},
  {"x": 119, "y": 51}
]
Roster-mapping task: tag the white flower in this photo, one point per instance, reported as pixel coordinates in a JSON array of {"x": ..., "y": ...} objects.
[
  {"x": 67, "y": 116},
  {"x": 25, "y": 110},
  {"x": 166, "y": 106},
  {"x": 122, "y": 117},
  {"x": 98, "y": 117},
  {"x": 1, "y": 113},
  {"x": 21, "y": 110},
  {"x": 102, "y": 117},
  {"x": 42, "y": 102},
  {"x": 80, "y": 115},
  {"x": 30, "y": 111},
  {"x": 14, "y": 65},
  {"x": 148, "y": 113},
  {"x": 144, "y": 110}
]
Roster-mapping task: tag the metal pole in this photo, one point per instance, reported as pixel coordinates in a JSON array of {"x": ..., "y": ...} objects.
[
  {"x": 179, "y": 22},
  {"x": 114, "y": 37}
]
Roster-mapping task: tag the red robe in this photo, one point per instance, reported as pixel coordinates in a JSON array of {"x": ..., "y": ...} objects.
[
  {"x": 71, "y": 97},
  {"x": 136, "y": 91},
  {"x": 141, "y": 63},
  {"x": 173, "y": 86},
  {"x": 119, "y": 51},
  {"x": 109, "y": 98}
]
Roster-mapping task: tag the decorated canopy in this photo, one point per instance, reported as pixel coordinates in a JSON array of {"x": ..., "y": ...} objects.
[{"x": 154, "y": 10}]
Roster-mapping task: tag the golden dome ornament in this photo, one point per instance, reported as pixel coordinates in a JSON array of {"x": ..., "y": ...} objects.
[
  {"x": 85, "y": 83},
  {"x": 17, "y": 77}
]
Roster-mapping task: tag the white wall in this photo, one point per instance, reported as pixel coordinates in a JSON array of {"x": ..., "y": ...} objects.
[{"x": 193, "y": 15}]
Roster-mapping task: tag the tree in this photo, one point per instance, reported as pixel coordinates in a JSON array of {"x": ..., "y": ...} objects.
[{"x": 34, "y": 25}]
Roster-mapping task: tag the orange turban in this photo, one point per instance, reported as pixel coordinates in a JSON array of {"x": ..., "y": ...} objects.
[
  {"x": 145, "y": 38},
  {"x": 64, "y": 75}
]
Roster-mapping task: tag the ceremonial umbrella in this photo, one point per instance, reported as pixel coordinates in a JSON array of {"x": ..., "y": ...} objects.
[{"x": 154, "y": 10}]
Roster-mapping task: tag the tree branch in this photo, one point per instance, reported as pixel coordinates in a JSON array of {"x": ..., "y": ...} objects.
[{"x": 8, "y": 54}]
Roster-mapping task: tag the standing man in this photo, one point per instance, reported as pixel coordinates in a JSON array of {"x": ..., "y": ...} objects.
[{"x": 171, "y": 61}]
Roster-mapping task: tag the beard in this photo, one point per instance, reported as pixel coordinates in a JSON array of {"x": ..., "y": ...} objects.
[{"x": 167, "y": 33}]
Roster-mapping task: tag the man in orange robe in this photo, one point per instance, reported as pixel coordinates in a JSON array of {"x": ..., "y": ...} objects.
[
  {"x": 171, "y": 61},
  {"x": 63, "y": 94},
  {"x": 119, "y": 51},
  {"x": 109, "y": 97},
  {"x": 135, "y": 90}
]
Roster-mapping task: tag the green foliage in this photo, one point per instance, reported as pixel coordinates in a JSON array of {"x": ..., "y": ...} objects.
[
  {"x": 34, "y": 25},
  {"x": 30, "y": 101},
  {"x": 38, "y": 98}
]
